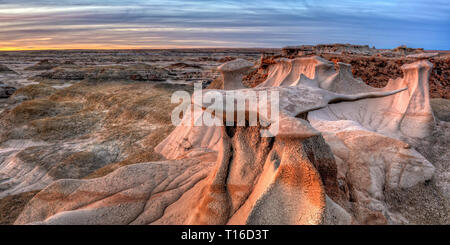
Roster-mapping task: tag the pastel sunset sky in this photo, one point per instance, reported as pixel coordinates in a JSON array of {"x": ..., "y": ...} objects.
[{"x": 83, "y": 24}]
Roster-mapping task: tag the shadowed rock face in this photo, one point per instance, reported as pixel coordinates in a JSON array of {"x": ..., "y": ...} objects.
[
  {"x": 232, "y": 175},
  {"x": 6, "y": 91}
]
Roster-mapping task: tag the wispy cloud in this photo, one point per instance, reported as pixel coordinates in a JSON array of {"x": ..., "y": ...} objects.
[{"x": 230, "y": 23}]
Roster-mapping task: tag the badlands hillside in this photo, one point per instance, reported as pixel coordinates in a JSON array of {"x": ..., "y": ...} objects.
[{"x": 86, "y": 137}]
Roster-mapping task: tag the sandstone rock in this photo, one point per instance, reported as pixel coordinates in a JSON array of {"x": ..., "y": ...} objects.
[
  {"x": 405, "y": 114},
  {"x": 195, "y": 190},
  {"x": 377, "y": 71},
  {"x": 244, "y": 184},
  {"x": 232, "y": 175},
  {"x": 233, "y": 72}
]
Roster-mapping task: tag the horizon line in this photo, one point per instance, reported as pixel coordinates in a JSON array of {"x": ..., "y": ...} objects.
[{"x": 172, "y": 48}]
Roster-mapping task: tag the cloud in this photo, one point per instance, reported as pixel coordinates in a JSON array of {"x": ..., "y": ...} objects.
[{"x": 230, "y": 23}]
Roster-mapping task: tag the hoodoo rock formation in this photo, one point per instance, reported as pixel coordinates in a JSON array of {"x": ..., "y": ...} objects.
[
  {"x": 233, "y": 71},
  {"x": 374, "y": 66},
  {"x": 340, "y": 146},
  {"x": 339, "y": 48}
]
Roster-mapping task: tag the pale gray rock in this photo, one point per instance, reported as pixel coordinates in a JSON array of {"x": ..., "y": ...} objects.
[{"x": 232, "y": 175}]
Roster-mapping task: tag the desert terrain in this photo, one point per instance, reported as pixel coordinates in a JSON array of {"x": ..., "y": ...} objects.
[{"x": 86, "y": 138}]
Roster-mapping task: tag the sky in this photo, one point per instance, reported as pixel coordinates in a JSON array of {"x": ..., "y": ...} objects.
[{"x": 101, "y": 24}]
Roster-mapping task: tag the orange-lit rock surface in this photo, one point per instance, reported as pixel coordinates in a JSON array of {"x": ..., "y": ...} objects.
[{"x": 342, "y": 148}]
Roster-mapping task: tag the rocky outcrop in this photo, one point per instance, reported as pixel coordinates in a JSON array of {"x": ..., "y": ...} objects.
[
  {"x": 377, "y": 71},
  {"x": 406, "y": 114},
  {"x": 338, "y": 146},
  {"x": 244, "y": 181},
  {"x": 338, "y": 48},
  {"x": 367, "y": 136}
]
